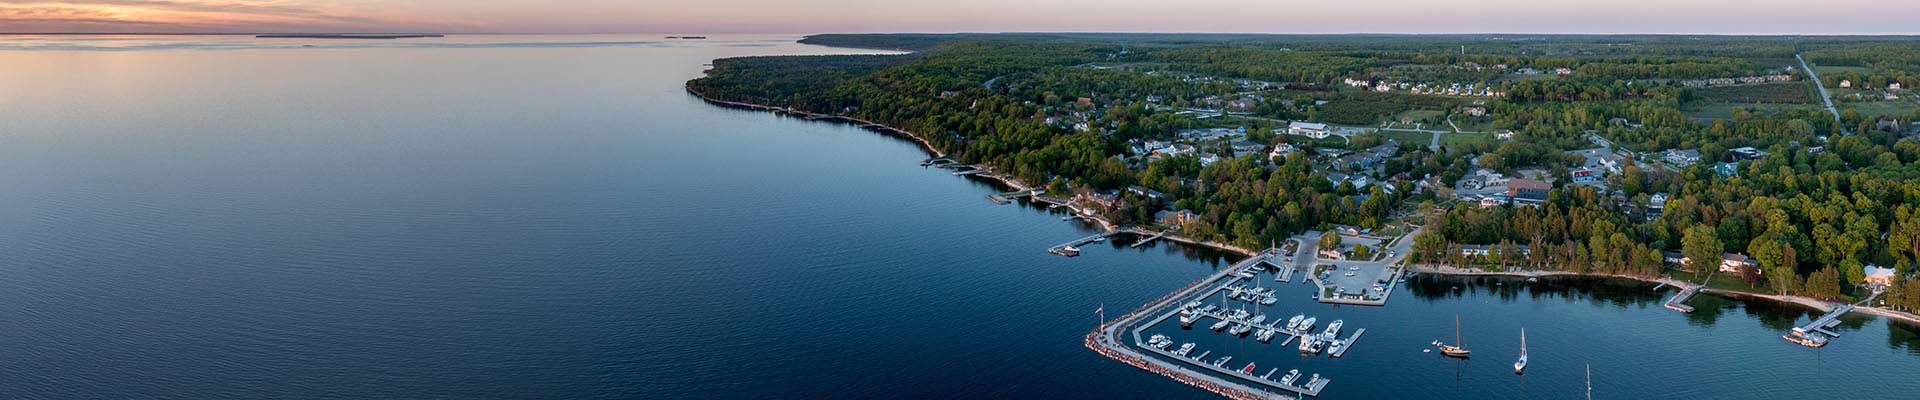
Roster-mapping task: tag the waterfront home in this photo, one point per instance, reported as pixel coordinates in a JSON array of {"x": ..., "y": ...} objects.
[
  {"x": 1308, "y": 129},
  {"x": 1106, "y": 199},
  {"x": 1175, "y": 218},
  {"x": 1879, "y": 276},
  {"x": 1731, "y": 263}
]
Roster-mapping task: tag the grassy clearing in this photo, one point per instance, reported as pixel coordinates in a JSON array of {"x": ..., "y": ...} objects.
[{"x": 1455, "y": 139}]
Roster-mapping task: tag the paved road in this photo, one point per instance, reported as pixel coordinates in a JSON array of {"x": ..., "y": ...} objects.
[{"x": 1824, "y": 97}]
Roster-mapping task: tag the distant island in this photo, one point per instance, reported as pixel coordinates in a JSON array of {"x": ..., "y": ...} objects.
[
  {"x": 686, "y": 37},
  {"x": 349, "y": 35}
]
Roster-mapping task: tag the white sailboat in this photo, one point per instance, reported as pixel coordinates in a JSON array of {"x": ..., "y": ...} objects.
[{"x": 1520, "y": 366}]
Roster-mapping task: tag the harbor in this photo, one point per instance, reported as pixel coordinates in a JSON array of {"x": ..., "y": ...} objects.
[{"x": 1233, "y": 304}]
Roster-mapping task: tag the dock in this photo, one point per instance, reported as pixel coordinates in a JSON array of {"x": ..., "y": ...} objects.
[
  {"x": 1349, "y": 343},
  {"x": 1070, "y": 249},
  {"x": 1675, "y": 302},
  {"x": 1818, "y": 332},
  {"x": 1150, "y": 239}
]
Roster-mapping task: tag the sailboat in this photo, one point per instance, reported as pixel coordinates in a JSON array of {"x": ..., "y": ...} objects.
[
  {"x": 1457, "y": 349},
  {"x": 1589, "y": 381},
  {"x": 1520, "y": 366}
]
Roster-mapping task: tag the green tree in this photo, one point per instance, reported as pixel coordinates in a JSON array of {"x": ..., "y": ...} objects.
[
  {"x": 1329, "y": 241},
  {"x": 1702, "y": 249}
]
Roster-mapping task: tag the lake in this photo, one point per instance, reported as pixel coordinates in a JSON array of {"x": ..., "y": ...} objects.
[{"x": 553, "y": 217}]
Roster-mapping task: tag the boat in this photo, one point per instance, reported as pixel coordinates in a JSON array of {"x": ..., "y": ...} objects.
[
  {"x": 1248, "y": 370},
  {"x": 1265, "y": 334},
  {"x": 1070, "y": 250},
  {"x": 1257, "y": 319},
  {"x": 1309, "y": 345},
  {"x": 1457, "y": 349},
  {"x": 1292, "y": 375},
  {"x": 1240, "y": 329},
  {"x": 1222, "y": 361},
  {"x": 1221, "y": 326},
  {"x": 1306, "y": 326},
  {"x": 1520, "y": 366},
  {"x": 1184, "y": 349},
  {"x": 1333, "y": 329},
  {"x": 1293, "y": 324}
]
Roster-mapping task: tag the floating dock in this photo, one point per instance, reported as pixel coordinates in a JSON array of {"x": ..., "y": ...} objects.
[{"x": 1342, "y": 350}]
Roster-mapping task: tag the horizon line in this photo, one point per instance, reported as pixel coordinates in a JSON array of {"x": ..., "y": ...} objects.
[{"x": 1900, "y": 34}]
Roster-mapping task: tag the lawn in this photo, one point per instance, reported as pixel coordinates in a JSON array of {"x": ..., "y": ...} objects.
[
  {"x": 1408, "y": 138},
  {"x": 1456, "y": 139}
]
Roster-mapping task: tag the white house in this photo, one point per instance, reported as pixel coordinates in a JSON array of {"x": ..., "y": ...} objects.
[
  {"x": 1308, "y": 129},
  {"x": 1879, "y": 275},
  {"x": 1846, "y": 83},
  {"x": 1281, "y": 150}
]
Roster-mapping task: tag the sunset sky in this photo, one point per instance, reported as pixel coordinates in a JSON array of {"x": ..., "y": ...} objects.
[{"x": 812, "y": 16}]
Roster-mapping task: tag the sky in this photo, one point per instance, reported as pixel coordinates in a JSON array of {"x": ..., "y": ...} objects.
[{"x": 831, "y": 16}]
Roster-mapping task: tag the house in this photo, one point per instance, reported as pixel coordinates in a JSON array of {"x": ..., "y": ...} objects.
[
  {"x": 1880, "y": 276},
  {"x": 1143, "y": 191},
  {"x": 1503, "y": 134},
  {"x": 1207, "y": 159},
  {"x": 1107, "y": 199},
  {"x": 1682, "y": 158},
  {"x": 1893, "y": 86},
  {"x": 1732, "y": 262},
  {"x": 1563, "y": 71},
  {"x": 1846, "y": 83},
  {"x": 1281, "y": 150},
  {"x": 1474, "y": 111},
  {"x": 1528, "y": 191},
  {"x": 1726, "y": 169},
  {"x": 1585, "y": 175},
  {"x": 1656, "y": 205},
  {"x": 1748, "y": 153},
  {"x": 1083, "y": 101},
  {"x": 1308, "y": 129},
  {"x": 1174, "y": 218}
]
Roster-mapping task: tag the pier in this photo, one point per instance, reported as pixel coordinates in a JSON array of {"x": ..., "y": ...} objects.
[
  {"x": 1150, "y": 239},
  {"x": 1070, "y": 249},
  {"x": 1818, "y": 332},
  {"x": 1674, "y": 303},
  {"x": 1347, "y": 343}
]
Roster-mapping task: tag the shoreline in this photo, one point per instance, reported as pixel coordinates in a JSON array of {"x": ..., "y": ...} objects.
[
  {"x": 1097, "y": 340},
  {"x": 1808, "y": 302}
]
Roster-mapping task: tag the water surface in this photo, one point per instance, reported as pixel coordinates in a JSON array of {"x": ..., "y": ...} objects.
[{"x": 552, "y": 217}]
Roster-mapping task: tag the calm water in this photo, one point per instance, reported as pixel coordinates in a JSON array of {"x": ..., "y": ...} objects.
[{"x": 551, "y": 217}]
